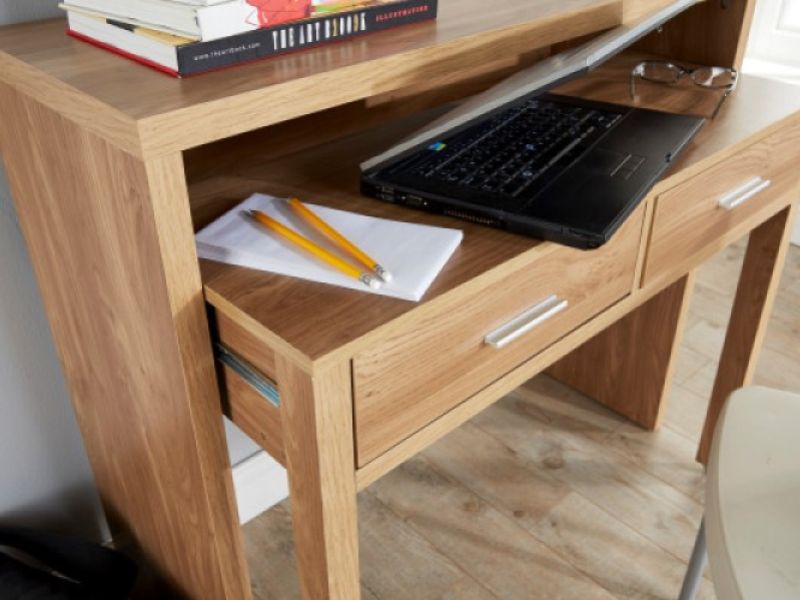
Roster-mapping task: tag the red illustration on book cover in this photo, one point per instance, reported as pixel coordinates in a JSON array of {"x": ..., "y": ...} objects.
[{"x": 275, "y": 12}]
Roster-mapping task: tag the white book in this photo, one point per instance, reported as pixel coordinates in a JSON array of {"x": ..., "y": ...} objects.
[
  {"x": 103, "y": 18},
  {"x": 200, "y": 2},
  {"x": 413, "y": 254},
  {"x": 205, "y": 20},
  {"x": 159, "y": 49}
]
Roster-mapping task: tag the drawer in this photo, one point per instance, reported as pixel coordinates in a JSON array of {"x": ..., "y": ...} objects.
[
  {"x": 694, "y": 218},
  {"x": 453, "y": 351},
  {"x": 250, "y": 396}
]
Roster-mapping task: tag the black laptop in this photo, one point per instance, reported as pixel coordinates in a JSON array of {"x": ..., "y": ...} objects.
[{"x": 548, "y": 166}]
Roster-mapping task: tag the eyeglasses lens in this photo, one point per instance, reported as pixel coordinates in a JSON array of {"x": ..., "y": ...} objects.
[
  {"x": 660, "y": 72},
  {"x": 714, "y": 77}
]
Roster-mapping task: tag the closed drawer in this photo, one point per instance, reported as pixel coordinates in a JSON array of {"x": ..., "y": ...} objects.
[
  {"x": 418, "y": 374},
  {"x": 723, "y": 201}
]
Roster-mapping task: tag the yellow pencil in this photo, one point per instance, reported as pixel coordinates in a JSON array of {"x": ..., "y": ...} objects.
[
  {"x": 319, "y": 252},
  {"x": 346, "y": 245}
]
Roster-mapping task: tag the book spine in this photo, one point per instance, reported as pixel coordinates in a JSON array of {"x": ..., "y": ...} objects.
[{"x": 272, "y": 41}]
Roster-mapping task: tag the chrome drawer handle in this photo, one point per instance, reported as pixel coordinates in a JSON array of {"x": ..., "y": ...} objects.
[
  {"x": 522, "y": 324},
  {"x": 745, "y": 192}
]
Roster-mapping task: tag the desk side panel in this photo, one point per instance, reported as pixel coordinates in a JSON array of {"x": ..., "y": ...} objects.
[
  {"x": 628, "y": 367},
  {"x": 713, "y": 32},
  {"x": 111, "y": 242}
]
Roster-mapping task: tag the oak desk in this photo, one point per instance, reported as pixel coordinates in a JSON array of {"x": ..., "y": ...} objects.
[{"x": 113, "y": 167}]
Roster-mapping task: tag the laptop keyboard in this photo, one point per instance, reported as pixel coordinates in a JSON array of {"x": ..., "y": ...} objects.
[{"x": 517, "y": 152}]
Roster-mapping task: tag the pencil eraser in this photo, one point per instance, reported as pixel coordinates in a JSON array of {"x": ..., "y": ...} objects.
[
  {"x": 383, "y": 273},
  {"x": 374, "y": 284}
]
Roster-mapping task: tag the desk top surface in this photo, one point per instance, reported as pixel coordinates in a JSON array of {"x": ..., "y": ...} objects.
[
  {"x": 65, "y": 73},
  {"x": 319, "y": 320}
]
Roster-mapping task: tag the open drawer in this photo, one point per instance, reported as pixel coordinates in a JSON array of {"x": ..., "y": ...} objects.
[{"x": 250, "y": 395}]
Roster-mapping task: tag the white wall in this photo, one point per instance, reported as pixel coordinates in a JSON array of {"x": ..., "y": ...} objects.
[
  {"x": 774, "y": 48},
  {"x": 44, "y": 475},
  {"x": 45, "y": 480}
]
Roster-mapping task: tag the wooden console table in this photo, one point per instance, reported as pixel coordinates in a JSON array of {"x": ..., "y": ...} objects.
[{"x": 113, "y": 167}]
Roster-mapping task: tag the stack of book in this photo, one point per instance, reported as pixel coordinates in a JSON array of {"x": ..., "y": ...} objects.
[{"x": 187, "y": 37}]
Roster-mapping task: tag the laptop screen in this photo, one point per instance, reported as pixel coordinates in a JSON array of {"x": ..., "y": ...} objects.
[{"x": 540, "y": 77}]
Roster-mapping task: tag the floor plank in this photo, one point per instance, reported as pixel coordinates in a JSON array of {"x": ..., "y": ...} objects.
[
  {"x": 613, "y": 483},
  {"x": 499, "y": 553},
  {"x": 616, "y": 556},
  {"x": 548, "y": 494}
]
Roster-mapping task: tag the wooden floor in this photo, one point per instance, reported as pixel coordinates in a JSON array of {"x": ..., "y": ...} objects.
[{"x": 546, "y": 494}]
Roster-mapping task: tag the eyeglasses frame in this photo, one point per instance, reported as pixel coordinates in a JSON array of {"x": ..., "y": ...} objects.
[{"x": 681, "y": 73}]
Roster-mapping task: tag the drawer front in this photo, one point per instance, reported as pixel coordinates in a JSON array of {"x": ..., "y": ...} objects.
[
  {"x": 253, "y": 411},
  {"x": 694, "y": 216},
  {"x": 250, "y": 396},
  {"x": 245, "y": 345},
  {"x": 418, "y": 374}
]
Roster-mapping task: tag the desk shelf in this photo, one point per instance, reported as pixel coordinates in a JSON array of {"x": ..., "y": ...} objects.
[
  {"x": 315, "y": 323},
  {"x": 319, "y": 325},
  {"x": 123, "y": 101}
]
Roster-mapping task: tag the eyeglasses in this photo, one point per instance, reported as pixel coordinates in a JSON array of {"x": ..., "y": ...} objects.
[{"x": 710, "y": 78}]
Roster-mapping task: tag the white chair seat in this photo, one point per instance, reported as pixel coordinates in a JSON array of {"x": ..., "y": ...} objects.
[{"x": 753, "y": 497}]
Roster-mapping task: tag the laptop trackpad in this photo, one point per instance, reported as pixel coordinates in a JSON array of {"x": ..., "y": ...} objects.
[
  {"x": 607, "y": 162},
  {"x": 595, "y": 193}
]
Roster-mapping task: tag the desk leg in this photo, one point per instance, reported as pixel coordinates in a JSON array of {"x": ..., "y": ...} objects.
[
  {"x": 110, "y": 238},
  {"x": 628, "y": 367},
  {"x": 755, "y": 295},
  {"x": 317, "y": 415}
]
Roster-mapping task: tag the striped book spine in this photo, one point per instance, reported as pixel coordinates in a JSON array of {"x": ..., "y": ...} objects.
[{"x": 272, "y": 41}]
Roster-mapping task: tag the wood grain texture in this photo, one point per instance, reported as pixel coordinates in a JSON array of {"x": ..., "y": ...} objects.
[
  {"x": 551, "y": 463},
  {"x": 494, "y": 549},
  {"x": 709, "y": 33},
  {"x": 96, "y": 116},
  {"x": 111, "y": 243},
  {"x": 419, "y": 373},
  {"x": 629, "y": 366},
  {"x": 472, "y": 406},
  {"x": 306, "y": 132},
  {"x": 688, "y": 218},
  {"x": 247, "y": 346},
  {"x": 174, "y": 115},
  {"x": 757, "y": 109},
  {"x": 316, "y": 323},
  {"x": 173, "y": 225},
  {"x": 252, "y": 413},
  {"x": 318, "y": 440},
  {"x": 124, "y": 296},
  {"x": 752, "y": 306}
]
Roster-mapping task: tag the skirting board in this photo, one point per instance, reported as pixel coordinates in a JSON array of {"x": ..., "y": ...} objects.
[{"x": 260, "y": 484}]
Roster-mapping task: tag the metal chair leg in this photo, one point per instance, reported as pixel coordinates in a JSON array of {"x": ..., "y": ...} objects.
[{"x": 697, "y": 564}]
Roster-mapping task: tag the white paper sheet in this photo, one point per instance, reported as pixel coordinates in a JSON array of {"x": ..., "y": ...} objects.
[{"x": 413, "y": 254}]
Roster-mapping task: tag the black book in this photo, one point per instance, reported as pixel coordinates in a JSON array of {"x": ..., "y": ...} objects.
[{"x": 180, "y": 58}]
